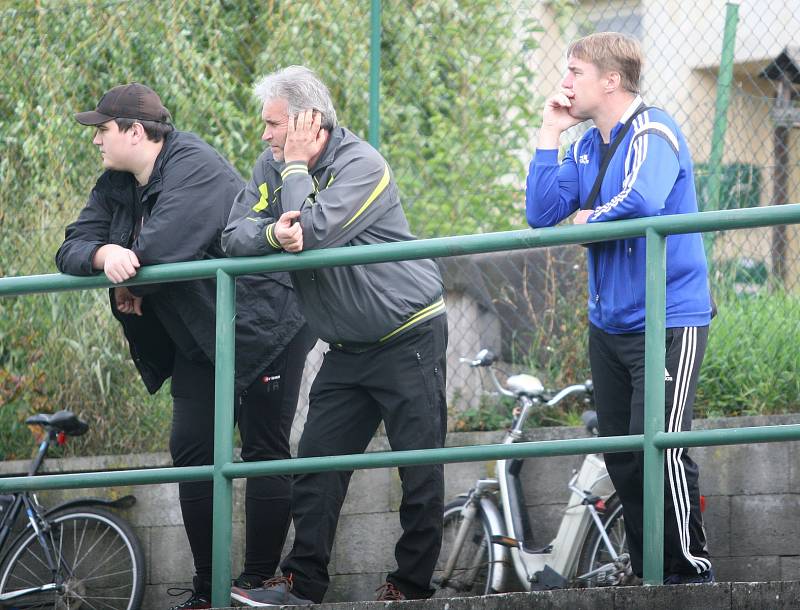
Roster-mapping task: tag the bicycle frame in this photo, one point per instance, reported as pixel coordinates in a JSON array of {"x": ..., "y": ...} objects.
[
  {"x": 554, "y": 565},
  {"x": 37, "y": 521}
]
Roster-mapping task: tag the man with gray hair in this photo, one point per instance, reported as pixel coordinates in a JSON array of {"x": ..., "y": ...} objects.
[{"x": 320, "y": 186}]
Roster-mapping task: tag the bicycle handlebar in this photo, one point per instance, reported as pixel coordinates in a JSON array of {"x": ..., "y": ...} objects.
[
  {"x": 527, "y": 385},
  {"x": 582, "y": 388}
]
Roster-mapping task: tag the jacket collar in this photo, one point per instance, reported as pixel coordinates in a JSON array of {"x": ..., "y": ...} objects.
[
  {"x": 634, "y": 105},
  {"x": 153, "y": 185},
  {"x": 326, "y": 158}
]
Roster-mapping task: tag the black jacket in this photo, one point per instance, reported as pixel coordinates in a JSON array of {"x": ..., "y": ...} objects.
[{"x": 183, "y": 209}]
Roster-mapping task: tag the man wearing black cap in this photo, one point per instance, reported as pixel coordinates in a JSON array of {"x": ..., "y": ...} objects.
[{"x": 165, "y": 197}]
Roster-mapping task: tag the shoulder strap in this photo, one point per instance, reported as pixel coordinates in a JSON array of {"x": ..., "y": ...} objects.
[{"x": 589, "y": 203}]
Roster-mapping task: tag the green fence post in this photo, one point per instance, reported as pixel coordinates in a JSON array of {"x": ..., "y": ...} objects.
[
  {"x": 724, "y": 81},
  {"x": 375, "y": 73},
  {"x": 655, "y": 336},
  {"x": 223, "y": 440}
]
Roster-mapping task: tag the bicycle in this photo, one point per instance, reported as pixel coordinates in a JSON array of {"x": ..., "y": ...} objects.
[
  {"x": 487, "y": 531},
  {"x": 73, "y": 555}
]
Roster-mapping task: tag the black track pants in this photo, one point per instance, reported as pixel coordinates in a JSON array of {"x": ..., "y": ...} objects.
[
  {"x": 403, "y": 384},
  {"x": 618, "y": 373},
  {"x": 264, "y": 414}
]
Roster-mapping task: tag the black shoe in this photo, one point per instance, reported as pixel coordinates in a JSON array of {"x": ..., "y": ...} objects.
[
  {"x": 197, "y": 601},
  {"x": 249, "y": 581},
  {"x": 703, "y": 578},
  {"x": 273, "y": 592}
]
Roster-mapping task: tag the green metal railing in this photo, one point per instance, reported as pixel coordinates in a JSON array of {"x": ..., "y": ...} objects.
[{"x": 652, "y": 442}]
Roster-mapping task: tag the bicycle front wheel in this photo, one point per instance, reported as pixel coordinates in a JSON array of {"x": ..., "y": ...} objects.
[
  {"x": 100, "y": 563},
  {"x": 474, "y": 567},
  {"x": 595, "y": 559}
]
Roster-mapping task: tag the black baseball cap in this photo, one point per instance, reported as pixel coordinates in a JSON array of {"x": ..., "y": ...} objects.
[{"x": 132, "y": 101}]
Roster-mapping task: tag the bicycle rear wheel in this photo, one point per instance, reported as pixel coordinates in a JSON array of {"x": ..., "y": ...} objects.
[
  {"x": 474, "y": 569},
  {"x": 100, "y": 561}
]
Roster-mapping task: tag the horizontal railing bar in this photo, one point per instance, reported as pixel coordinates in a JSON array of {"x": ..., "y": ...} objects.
[
  {"x": 446, "y": 455},
  {"x": 108, "y": 478},
  {"x": 728, "y": 436},
  {"x": 384, "y": 459},
  {"x": 423, "y": 248}
]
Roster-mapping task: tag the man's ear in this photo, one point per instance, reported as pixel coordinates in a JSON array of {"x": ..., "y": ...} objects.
[
  {"x": 138, "y": 133},
  {"x": 612, "y": 81}
]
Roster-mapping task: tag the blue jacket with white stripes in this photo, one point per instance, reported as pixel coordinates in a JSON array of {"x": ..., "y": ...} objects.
[{"x": 649, "y": 175}]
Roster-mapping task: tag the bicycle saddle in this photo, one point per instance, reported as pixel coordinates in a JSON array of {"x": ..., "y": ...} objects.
[
  {"x": 525, "y": 384},
  {"x": 63, "y": 421}
]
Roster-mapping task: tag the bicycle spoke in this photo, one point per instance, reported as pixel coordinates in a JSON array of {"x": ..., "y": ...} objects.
[
  {"x": 91, "y": 548},
  {"x": 95, "y": 555},
  {"x": 100, "y": 562},
  {"x": 85, "y": 601},
  {"x": 33, "y": 574},
  {"x": 108, "y": 575}
]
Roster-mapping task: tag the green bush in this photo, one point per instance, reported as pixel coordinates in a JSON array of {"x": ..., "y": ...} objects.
[
  {"x": 752, "y": 363},
  {"x": 456, "y": 114},
  {"x": 70, "y": 354},
  {"x": 451, "y": 121}
]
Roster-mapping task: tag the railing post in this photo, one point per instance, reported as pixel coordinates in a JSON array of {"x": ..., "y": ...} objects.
[
  {"x": 375, "y": 73},
  {"x": 724, "y": 81},
  {"x": 655, "y": 337},
  {"x": 223, "y": 439}
]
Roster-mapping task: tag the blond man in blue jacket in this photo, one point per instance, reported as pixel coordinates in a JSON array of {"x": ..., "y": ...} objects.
[{"x": 649, "y": 174}]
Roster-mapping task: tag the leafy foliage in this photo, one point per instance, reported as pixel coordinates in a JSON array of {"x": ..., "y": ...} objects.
[{"x": 451, "y": 123}]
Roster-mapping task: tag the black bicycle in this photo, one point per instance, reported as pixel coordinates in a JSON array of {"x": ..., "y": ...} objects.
[{"x": 73, "y": 555}]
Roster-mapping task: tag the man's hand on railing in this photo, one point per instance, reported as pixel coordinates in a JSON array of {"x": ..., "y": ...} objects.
[
  {"x": 288, "y": 232},
  {"x": 118, "y": 263}
]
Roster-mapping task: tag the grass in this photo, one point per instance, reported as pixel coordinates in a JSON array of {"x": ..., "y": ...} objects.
[
  {"x": 752, "y": 362},
  {"x": 65, "y": 351}
]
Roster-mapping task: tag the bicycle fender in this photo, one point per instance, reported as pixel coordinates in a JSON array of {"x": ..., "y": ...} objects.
[
  {"x": 123, "y": 502},
  {"x": 501, "y": 555}
]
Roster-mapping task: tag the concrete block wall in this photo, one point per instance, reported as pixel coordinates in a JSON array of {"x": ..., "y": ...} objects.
[{"x": 752, "y": 516}]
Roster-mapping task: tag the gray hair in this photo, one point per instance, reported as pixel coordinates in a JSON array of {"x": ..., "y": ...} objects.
[{"x": 301, "y": 88}]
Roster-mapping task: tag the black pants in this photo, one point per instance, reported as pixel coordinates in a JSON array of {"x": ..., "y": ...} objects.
[
  {"x": 403, "y": 384},
  {"x": 264, "y": 412},
  {"x": 618, "y": 372}
]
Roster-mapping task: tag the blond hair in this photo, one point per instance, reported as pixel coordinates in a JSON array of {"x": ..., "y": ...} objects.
[{"x": 611, "y": 51}]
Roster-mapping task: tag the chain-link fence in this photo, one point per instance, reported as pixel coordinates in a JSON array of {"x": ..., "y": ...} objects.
[{"x": 461, "y": 88}]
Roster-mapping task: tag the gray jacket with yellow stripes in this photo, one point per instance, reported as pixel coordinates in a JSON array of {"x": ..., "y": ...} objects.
[{"x": 348, "y": 198}]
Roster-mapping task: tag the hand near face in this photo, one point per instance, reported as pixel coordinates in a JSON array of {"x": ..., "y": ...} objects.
[
  {"x": 556, "y": 118},
  {"x": 126, "y": 302},
  {"x": 305, "y": 138},
  {"x": 556, "y": 112},
  {"x": 288, "y": 232}
]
